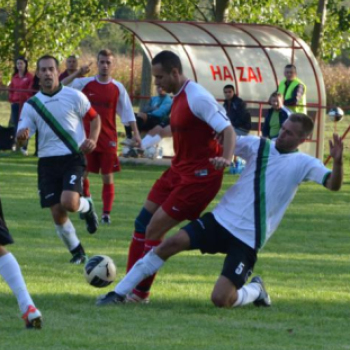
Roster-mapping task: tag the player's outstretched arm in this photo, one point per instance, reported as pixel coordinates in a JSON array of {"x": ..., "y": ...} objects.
[
  {"x": 229, "y": 144},
  {"x": 335, "y": 180},
  {"x": 79, "y": 73}
]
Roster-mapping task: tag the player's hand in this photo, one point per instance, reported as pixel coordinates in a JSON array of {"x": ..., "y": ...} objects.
[
  {"x": 88, "y": 146},
  {"x": 336, "y": 148},
  {"x": 22, "y": 134},
  {"x": 137, "y": 139},
  {"x": 85, "y": 69},
  {"x": 219, "y": 162},
  {"x": 142, "y": 115}
]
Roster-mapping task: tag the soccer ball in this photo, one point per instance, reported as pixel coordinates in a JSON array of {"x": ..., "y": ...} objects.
[
  {"x": 100, "y": 271},
  {"x": 336, "y": 114}
]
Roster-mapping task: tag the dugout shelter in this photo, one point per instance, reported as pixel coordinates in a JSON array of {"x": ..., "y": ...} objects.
[{"x": 249, "y": 56}]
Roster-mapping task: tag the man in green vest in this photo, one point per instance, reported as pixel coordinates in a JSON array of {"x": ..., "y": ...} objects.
[{"x": 293, "y": 90}]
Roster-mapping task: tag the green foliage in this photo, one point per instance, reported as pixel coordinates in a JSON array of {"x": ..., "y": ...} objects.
[
  {"x": 55, "y": 27},
  {"x": 299, "y": 17},
  {"x": 109, "y": 35}
]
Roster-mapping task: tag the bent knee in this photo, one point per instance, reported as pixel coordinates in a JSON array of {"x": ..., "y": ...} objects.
[
  {"x": 70, "y": 205},
  {"x": 221, "y": 300}
]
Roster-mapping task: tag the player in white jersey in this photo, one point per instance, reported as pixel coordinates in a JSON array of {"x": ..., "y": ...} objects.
[
  {"x": 57, "y": 114},
  {"x": 247, "y": 215}
]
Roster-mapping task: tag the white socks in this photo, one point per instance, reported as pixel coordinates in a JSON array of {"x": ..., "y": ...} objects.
[
  {"x": 143, "y": 268},
  {"x": 149, "y": 141},
  {"x": 84, "y": 205},
  {"x": 11, "y": 272},
  {"x": 67, "y": 234},
  {"x": 247, "y": 294}
]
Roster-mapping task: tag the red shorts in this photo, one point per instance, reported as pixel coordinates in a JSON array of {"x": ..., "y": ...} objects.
[
  {"x": 184, "y": 198},
  {"x": 106, "y": 162}
]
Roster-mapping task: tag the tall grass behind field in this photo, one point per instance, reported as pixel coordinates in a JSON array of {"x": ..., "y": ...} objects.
[
  {"x": 337, "y": 82},
  {"x": 121, "y": 72}
]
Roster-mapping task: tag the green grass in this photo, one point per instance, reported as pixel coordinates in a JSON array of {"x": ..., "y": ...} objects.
[{"x": 305, "y": 267}]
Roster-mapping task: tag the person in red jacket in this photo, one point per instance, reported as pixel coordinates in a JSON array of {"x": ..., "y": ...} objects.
[{"x": 20, "y": 90}]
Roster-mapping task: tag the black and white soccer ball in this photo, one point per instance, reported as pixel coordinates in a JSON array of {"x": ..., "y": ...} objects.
[
  {"x": 336, "y": 114},
  {"x": 100, "y": 271}
]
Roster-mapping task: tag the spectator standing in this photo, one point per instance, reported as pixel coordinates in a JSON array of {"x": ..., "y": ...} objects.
[
  {"x": 21, "y": 80},
  {"x": 293, "y": 90}
]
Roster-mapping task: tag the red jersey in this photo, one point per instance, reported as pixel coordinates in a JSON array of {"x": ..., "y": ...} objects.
[
  {"x": 107, "y": 99},
  {"x": 195, "y": 118},
  {"x": 21, "y": 83}
]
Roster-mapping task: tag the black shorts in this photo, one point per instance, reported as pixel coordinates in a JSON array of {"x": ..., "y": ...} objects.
[
  {"x": 5, "y": 236},
  {"x": 149, "y": 124},
  {"x": 207, "y": 235},
  {"x": 58, "y": 174}
]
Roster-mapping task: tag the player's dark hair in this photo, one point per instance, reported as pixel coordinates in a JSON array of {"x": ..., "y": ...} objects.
[
  {"x": 229, "y": 86},
  {"x": 105, "y": 53},
  {"x": 20, "y": 58},
  {"x": 168, "y": 60},
  {"x": 306, "y": 122},
  {"x": 47, "y": 57},
  {"x": 290, "y": 66}
]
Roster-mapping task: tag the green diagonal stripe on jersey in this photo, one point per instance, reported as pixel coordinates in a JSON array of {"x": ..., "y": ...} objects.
[
  {"x": 265, "y": 158},
  {"x": 260, "y": 193},
  {"x": 54, "y": 125}
]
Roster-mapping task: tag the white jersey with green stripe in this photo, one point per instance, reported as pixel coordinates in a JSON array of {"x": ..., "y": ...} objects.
[
  {"x": 68, "y": 106},
  {"x": 252, "y": 209}
]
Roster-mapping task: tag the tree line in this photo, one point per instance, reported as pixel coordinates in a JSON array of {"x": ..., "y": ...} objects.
[{"x": 34, "y": 27}]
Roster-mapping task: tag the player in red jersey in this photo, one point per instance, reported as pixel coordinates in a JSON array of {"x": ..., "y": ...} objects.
[
  {"x": 107, "y": 97},
  {"x": 196, "y": 172}
]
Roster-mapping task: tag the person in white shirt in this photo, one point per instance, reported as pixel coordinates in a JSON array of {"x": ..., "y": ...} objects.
[
  {"x": 57, "y": 113},
  {"x": 247, "y": 215}
]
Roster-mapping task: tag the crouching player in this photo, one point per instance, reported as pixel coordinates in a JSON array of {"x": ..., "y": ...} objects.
[
  {"x": 11, "y": 273},
  {"x": 247, "y": 215}
]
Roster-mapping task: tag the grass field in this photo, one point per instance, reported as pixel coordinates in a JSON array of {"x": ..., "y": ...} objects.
[{"x": 305, "y": 266}]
